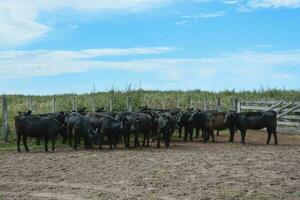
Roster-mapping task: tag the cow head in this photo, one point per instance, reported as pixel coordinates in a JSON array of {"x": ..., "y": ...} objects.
[{"x": 230, "y": 118}]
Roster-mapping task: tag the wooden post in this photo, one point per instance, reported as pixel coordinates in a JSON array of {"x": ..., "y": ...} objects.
[
  {"x": 177, "y": 102},
  {"x": 163, "y": 103},
  {"x": 53, "y": 104},
  {"x": 236, "y": 104},
  {"x": 204, "y": 103},
  {"x": 73, "y": 103},
  {"x": 5, "y": 126},
  {"x": 129, "y": 104},
  {"x": 29, "y": 102},
  {"x": 218, "y": 104},
  {"x": 93, "y": 104},
  {"x": 191, "y": 103},
  {"x": 239, "y": 107},
  {"x": 110, "y": 104}
]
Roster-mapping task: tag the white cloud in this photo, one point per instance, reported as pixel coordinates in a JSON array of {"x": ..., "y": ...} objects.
[
  {"x": 205, "y": 15},
  {"x": 19, "y": 19},
  {"x": 238, "y": 69},
  {"x": 248, "y": 5},
  {"x": 283, "y": 76},
  {"x": 189, "y": 20},
  {"x": 273, "y": 3}
]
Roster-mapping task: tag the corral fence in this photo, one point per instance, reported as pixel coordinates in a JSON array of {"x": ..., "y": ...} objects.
[{"x": 288, "y": 112}]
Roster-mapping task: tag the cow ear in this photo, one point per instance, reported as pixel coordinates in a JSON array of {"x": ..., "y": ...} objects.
[
  {"x": 20, "y": 112},
  {"x": 29, "y": 112}
]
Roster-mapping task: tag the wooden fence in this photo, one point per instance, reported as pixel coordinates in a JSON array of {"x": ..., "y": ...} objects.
[{"x": 288, "y": 113}]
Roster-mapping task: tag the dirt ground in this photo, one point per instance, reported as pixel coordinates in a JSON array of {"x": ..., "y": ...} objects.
[{"x": 191, "y": 170}]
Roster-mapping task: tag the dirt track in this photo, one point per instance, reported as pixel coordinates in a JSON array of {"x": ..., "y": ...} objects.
[{"x": 185, "y": 171}]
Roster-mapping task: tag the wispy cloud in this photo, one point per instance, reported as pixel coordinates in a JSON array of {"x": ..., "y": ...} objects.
[
  {"x": 20, "y": 24},
  {"x": 189, "y": 20},
  {"x": 237, "y": 68},
  {"x": 205, "y": 15},
  {"x": 248, "y": 5}
]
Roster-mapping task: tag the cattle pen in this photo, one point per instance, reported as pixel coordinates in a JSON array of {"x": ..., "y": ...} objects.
[{"x": 186, "y": 170}]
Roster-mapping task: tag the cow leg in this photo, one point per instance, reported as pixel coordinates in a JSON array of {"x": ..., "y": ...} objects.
[
  {"x": 46, "y": 144},
  {"x": 180, "y": 131},
  {"x": 218, "y": 133},
  {"x": 197, "y": 132},
  {"x": 185, "y": 134},
  {"x": 53, "y": 144},
  {"x": 203, "y": 134},
  {"x": 158, "y": 139},
  {"x": 70, "y": 133},
  {"x": 243, "y": 135},
  {"x": 275, "y": 136},
  {"x": 269, "y": 134},
  {"x": 147, "y": 139},
  {"x": 212, "y": 135},
  {"x": 136, "y": 140},
  {"x": 100, "y": 140},
  {"x": 167, "y": 139},
  {"x": 76, "y": 138},
  {"x": 127, "y": 140},
  {"x": 231, "y": 139},
  {"x": 109, "y": 138},
  {"x": 191, "y": 131},
  {"x": 144, "y": 139},
  {"x": 24, "y": 138},
  {"x": 18, "y": 142}
]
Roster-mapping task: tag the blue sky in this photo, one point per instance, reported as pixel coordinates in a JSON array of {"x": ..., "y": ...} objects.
[{"x": 49, "y": 47}]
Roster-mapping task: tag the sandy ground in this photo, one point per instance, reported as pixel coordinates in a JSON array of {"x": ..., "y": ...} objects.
[{"x": 189, "y": 170}]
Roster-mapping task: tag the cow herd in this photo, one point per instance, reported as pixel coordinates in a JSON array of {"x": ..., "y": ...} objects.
[{"x": 152, "y": 125}]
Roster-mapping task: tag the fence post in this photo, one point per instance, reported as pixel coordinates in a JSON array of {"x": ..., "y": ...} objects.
[
  {"x": 73, "y": 103},
  {"x": 191, "y": 103},
  {"x": 5, "y": 126},
  {"x": 29, "y": 103},
  {"x": 110, "y": 104},
  {"x": 204, "y": 103},
  {"x": 177, "y": 102},
  {"x": 237, "y": 106},
  {"x": 93, "y": 104},
  {"x": 129, "y": 104},
  {"x": 218, "y": 104},
  {"x": 163, "y": 103},
  {"x": 53, "y": 104}
]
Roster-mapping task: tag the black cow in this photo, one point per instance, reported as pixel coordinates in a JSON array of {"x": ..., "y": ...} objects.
[
  {"x": 216, "y": 121},
  {"x": 38, "y": 127},
  {"x": 166, "y": 126},
  {"x": 107, "y": 126},
  {"x": 253, "y": 120},
  {"x": 183, "y": 121},
  {"x": 79, "y": 126},
  {"x": 136, "y": 123},
  {"x": 154, "y": 117}
]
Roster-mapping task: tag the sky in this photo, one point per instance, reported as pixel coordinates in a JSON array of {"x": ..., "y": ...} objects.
[{"x": 70, "y": 46}]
